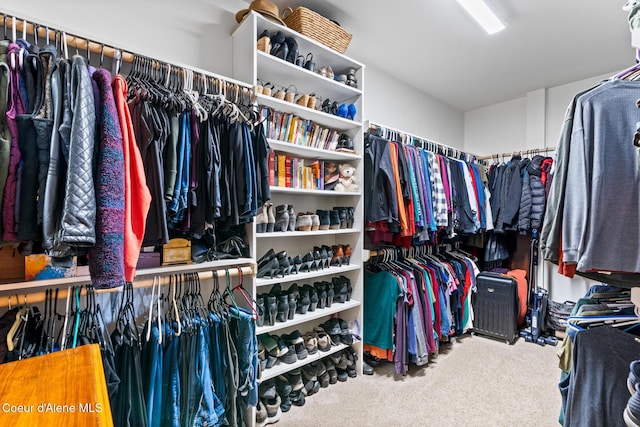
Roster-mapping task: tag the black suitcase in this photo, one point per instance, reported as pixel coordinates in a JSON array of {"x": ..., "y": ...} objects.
[{"x": 495, "y": 307}]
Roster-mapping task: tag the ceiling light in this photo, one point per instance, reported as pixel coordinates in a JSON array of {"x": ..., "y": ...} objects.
[{"x": 483, "y": 14}]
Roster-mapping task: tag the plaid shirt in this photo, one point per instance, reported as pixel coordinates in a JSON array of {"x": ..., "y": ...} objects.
[{"x": 437, "y": 189}]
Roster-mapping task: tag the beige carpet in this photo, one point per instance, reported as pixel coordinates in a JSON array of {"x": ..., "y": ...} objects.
[{"x": 475, "y": 382}]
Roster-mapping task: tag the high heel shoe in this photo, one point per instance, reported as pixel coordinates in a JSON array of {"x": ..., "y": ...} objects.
[
  {"x": 340, "y": 289},
  {"x": 292, "y": 46},
  {"x": 350, "y": 217},
  {"x": 296, "y": 264},
  {"x": 293, "y": 302},
  {"x": 324, "y": 255},
  {"x": 266, "y": 258},
  {"x": 260, "y": 310},
  {"x": 283, "y": 308},
  {"x": 316, "y": 259},
  {"x": 329, "y": 252},
  {"x": 342, "y": 111},
  {"x": 351, "y": 112},
  {"x": 342, "y": 214},
  {"x": 330, "y": 294},
  {"x": 338, "y": 254},
  {"x": 269, "y": 268},
  {"x": 346, "y": 250},
  {"x": 282, "y": 218},
  {"x": 304, "y": 302},
  {"x": 284, "y": 266},
  {"x": 307, "y": 262}
]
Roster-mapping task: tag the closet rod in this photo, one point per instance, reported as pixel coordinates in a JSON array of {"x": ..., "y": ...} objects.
[
  {"x": 530, "y": 151},
  {"x": 373, "y": 125},
  {"x": 37, "y": 297},
  {"x": 80, "y": 43}
]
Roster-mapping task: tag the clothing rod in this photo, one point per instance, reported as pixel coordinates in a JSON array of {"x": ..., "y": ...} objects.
[
  {"x": 529, "y": 151},
  {"x": 80, "y": 43},
  {"x": 370, "y": 124},
  {"x": 147, "y": 282}
]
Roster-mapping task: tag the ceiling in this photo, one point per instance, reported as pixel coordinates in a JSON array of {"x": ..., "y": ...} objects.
[{"x": 435, "y": 46}]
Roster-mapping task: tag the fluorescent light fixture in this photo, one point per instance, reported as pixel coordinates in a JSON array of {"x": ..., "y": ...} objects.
[{"x": 483, "y": 14}]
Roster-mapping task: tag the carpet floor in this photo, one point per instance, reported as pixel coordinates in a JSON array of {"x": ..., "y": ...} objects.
[{"x": 474, "y": 381}]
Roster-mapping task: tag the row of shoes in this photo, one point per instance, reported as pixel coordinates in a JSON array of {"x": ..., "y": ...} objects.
[
  {"x": 286, "y": 48},
  {"x": 280, "y": 305},
  {"x": 279, "y": 264},
  {"x": 290, "y": 348},
  {"x": 277, "y": 395},
  {"x": 289, "y": 94},
  {"x": 285, "y": 219}
]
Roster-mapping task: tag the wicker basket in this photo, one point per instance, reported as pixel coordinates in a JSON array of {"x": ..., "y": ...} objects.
[{"x": 317, "y": 27}]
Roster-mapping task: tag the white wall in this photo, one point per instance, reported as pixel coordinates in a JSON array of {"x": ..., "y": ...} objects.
[
  {"x": 391, "y": 102},
  {"x": 532, "y": 121},
  {"x": 198, "y": 34}
]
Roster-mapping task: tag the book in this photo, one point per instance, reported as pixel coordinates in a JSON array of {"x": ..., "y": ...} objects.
[
  {"x": 281, "y": 170},
  {"x": 287, "y": 168},
  {"x": 271, "y": 163}
]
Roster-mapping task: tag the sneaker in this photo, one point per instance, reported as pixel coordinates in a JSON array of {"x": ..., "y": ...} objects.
[
  {"x": 301, "y": 351},
  {"x": 311, "y": 342},
  {"x": 297, "y": 398},
  {"x": 331, "y": 370},
  {"x": 293, "y": 338},
  {"x": 295, "y": 379},
  {"x": 634, "y": 376},
  {"x": 290, "y": 356},
  {"x": 261, "y": 414},
  {"x": 267, "y": 389},
  {"x": 631, "y": 413},
  {"x": 274, "y": 413}
]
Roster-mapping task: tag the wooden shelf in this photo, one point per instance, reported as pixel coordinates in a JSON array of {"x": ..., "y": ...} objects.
[
  {"x": 282, "y": 74},
  {"x": 319, "y": 117},
  {"x": 281, "y": 234},
  {"x": 286, "y": 190},
  {"x": 305, "y": 152},
  {"x": 301, "y": 277},
  {"x": 281, "y": 368},
  {"x": 298, "y": 319}
]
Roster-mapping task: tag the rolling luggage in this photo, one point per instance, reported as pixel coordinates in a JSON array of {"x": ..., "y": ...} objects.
[{"x": 495, "y": 307}]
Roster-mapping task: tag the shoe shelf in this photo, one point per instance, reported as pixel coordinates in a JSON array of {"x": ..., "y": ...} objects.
[
  {"x": 282, "y": 368},
  {"x": 319, "y": 117},
  {"x": 283, "y": 73},
  {"x": 301, "y": 277},
  {"x": 282, "y": 234},
  {"x": 318, "y": 313},
  {"x": 310, "y": 152},
  {"x": 287, "y": 190}
]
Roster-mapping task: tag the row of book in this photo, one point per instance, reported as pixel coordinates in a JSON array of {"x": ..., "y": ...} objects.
[
  {"x": 291, "y": 172},
  {"x": 290, "y": 128}
]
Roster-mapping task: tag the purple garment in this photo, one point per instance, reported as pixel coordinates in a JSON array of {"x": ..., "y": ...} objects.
[
  {"x": 106, "y": 260},
  {"x": 96, "y": 94},
  {"x": 400, "y": 353},
  {"x": 10, "y": 189}
]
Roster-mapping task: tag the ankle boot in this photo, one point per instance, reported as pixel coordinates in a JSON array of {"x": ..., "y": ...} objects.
[
  {"x": 340, "y": 289},
  {"x": 346, "y": 250},
  {"x": 338, "y": 254},
  {"x": 350, "y": 217},
  {"x": 313, "y": 297},
  {"x": 342, "y": 212},
  {"x": 292, "y": 306},
  {"x": 283, "y": 308},
  {"x": 330, "y": 293},
  {"x": 271, "y": 309},
  {"x": 260, "y": 310},
  {"x": 315, "y": 221},
  {"x": 325, "y": 221},
  {"x": 282, "y": 218},
  {"x": 304, "y": 302},
  {"x": 271, "y": 218},
  {"x": 322, "y": 294},
  {"x": 261, "y": 220},
  {"x": 334, "y": 220},
  {"x": 292, "y": 219}
]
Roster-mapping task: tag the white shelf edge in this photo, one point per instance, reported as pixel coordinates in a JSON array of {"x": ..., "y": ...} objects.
[
  {"x": 307, "y": 233},
  {"x": 275, "y": 189},
  {"x": 290, "y": 147},
  {"x": 282, "y": 368},
  {"x": 311, "y": 315},
  {"x": 322, "y": 118},
  {"x": 305, "y": 276},
  {"x": 143, "y": 272},
  {"x": 350, "y": 90}
]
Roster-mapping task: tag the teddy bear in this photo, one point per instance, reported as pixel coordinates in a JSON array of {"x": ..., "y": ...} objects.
[{"x": 347, "y": 180}]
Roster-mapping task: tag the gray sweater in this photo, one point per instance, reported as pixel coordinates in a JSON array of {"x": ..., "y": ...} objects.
[{"x": 601, "y": 215}]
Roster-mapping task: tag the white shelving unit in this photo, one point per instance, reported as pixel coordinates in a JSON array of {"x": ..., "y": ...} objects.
[{"x": 254, "y": 66}]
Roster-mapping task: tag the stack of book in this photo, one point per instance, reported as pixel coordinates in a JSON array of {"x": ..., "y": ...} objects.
[
  {"x": 290, "y": 172},
  {"x": 290, "y": 128}
]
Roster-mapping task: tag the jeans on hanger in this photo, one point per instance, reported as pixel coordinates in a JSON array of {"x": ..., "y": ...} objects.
[
  {"x": 247, "y": 356},
  {"x": 171, "y": 379},
  {"x": 205, "y": 408},
  {"x": 152, "y": 359}
]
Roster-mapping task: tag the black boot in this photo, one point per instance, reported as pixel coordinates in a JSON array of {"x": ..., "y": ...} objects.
[{"x": 283, "y": 308}]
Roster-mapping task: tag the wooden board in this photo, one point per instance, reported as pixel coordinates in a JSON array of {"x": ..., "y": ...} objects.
[{"x": 66, "y": 388}]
